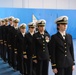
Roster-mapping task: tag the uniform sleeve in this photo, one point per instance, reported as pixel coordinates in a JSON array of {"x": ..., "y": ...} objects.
[
  {"x": 15, "y": 41},
  {"x": 53, "y": 52},
  {"x": 1, "y": 35},
  {"x": 25, "y": 46},
  {"x": 34, "y": 47},
  {"x": 49, "y": 45},
  {"x": 72, "y": 50}
]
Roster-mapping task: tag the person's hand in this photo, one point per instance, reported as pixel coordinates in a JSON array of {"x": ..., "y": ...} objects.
[
  {"x": 73, "y": 67},
  {"x": 55, "y": 71},
  {"x": 35, "y": 61},
  {"x": 25, "y": 56}
]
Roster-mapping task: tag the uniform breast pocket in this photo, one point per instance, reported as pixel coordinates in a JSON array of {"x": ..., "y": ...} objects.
[{"x": 39, "y": 38}]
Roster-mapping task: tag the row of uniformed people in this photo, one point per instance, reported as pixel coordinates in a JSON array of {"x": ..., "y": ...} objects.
[
  {"x": 28, "y": 49},
  {"x": 35, "y": 49},
  {"x": 25, "y": 49},
  {"x": 60, "y": 47},
  {"x": 32, "y": 64},
  {"x": 7, "y": 39},
  {"x": 20, "y": 50}
]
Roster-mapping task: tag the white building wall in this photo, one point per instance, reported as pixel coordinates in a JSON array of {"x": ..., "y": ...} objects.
[
  {"x": 61, "y": 4},
  {"x": 48, "y": 4},
  {"x": 72, "y": 4},
  {"x": 17, "y": 3},
  {"x": 6, "y": 3}
]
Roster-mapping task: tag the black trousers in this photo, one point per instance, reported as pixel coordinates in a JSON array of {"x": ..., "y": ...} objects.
[
  {"x": 9, "y": 55},
  {"x": 34, "y": 68},
  {"x": 0, "y": 50},
  {"x": 42, "y": 67},
  {"x": 64, "y": 71},
  {"x": 29, "y": 66},
  {"x": 25, "y": 66},
  {"x": 20, "y": 63},
  {"x": 4, "y": 53}
]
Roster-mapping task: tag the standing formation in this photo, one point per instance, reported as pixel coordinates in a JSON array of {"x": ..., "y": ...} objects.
[{"x": 30, "y": 51}]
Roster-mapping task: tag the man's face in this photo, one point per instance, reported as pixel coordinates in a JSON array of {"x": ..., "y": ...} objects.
[
  {"x": 41, "y": 28},
  {"x": 62, "y": 27}
]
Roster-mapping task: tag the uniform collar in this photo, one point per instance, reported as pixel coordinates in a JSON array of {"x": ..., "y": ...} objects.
[
  {"x": 42, "y": 33},
  {"x": 31, "y": 33},
  {"x": 62, "y": 33}
]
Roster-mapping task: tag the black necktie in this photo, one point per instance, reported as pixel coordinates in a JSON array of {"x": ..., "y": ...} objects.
[{"x": 42, "y": 35}]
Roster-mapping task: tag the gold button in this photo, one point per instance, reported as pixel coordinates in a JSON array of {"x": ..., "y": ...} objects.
[
  {"x": 43, "y": 44},
  {"x": 43, "y": 50},
  {"x": 43, "y": 47},
  {"x": 64, "y": 43},
  {"x": 65, "y": 55},
  {"x": 65, "y": 51},
  {"x": 65, "y": 47},
  {"x": 43, "y": 41}
]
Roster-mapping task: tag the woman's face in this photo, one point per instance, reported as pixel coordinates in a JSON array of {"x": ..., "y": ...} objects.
[
  {"x": 62, "y": 27},
  {"x": 23, "y": 30}
]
